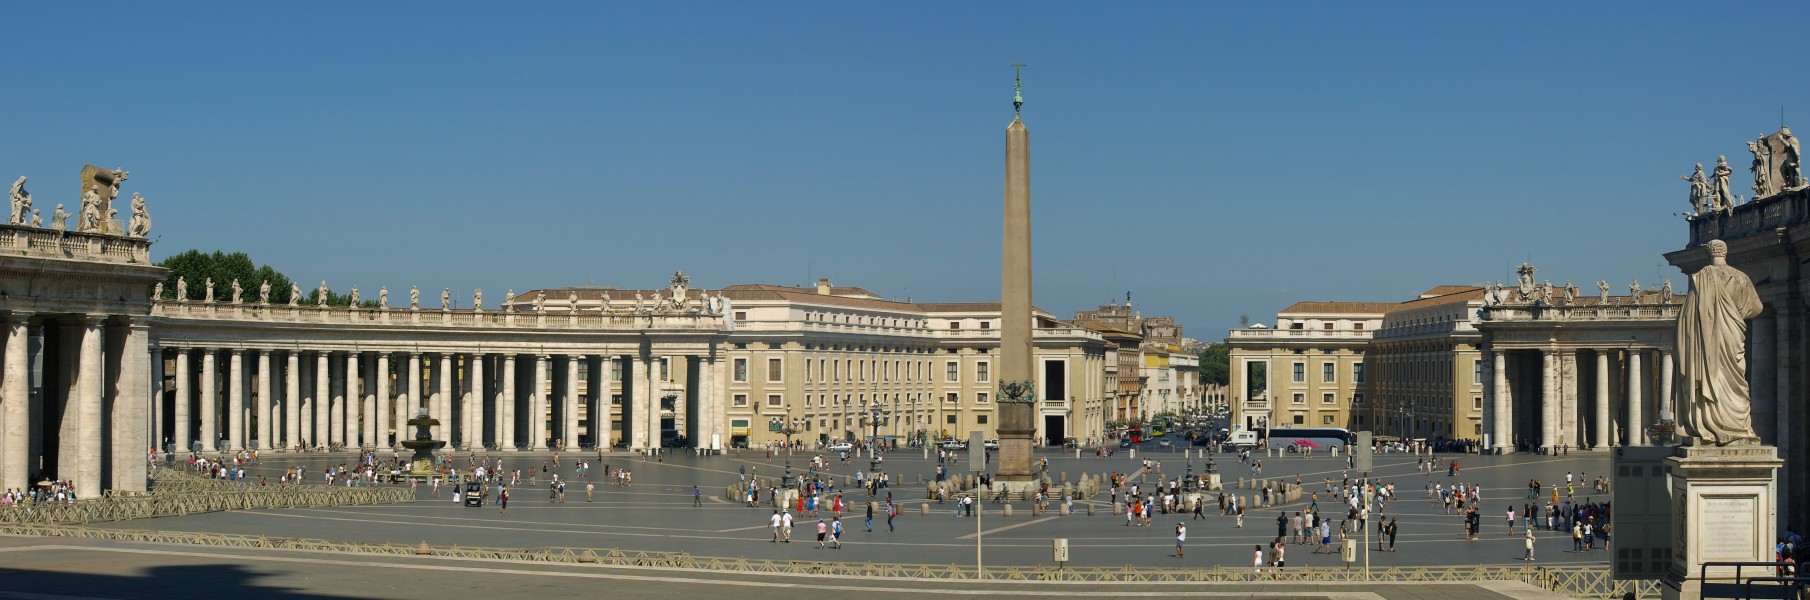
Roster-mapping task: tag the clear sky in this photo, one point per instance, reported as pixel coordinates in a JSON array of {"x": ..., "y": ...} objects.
[{"x": 1217, "y": 159}]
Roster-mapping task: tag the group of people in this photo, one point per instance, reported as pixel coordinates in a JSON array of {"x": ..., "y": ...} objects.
[{"x": 58, "y": 492}]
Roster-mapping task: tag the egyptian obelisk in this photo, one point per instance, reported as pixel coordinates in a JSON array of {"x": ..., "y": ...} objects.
[{"x": 1016, "y": 424}]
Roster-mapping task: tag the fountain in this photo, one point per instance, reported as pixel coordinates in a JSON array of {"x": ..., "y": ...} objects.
[{"x": 424, "y": 445}]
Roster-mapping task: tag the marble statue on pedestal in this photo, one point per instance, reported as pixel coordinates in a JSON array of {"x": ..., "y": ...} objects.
[
  {"x": 210, "y": 291},
  {"x": 1699, "y": 191},
  {"x": 509, "y": 300},
  {"x": 1634, "y": 293},
  {"x": 1761, "y": 168},
  {"x": 477, "y": 299},
  {"x": 321, "y": 298},
  {"x": 106, "y": 186},
  {"x": 295, "y": 294},
  {"x": 88, "y": 219},
  {"x": 1724, "y": 197},
  {"x": 141, "y": 218},
  {"x": 182, "y": 288},
  {"x": 1712, "y": 352},
  {"x": 1792, "y": 163},
  {"x": 638, "y": 301},
  {"x": 38, "y": 221},
  {"x": 1602, "y": 290},
  {"x": 604, "y": 301},
  {"x": 1524, "y": 282},
  {"x": 21, "y": 202},
  {"x": 1570, "y": 294},
  {"x": 59, "y": 220},
  {"x": 157, "y": 292},
  {"x": 238, "y": 292},
  {"x": 264, "y": 292},
  {"x": 445, "y": 298},
  {"x": 383, "y": 297},
  {"x": 572, "y": 301},
  {"x": 1546, "y": 292},
  {"x": 1665, "y": 292},
  {"x": 540, "y": 301},
  {"x": 414, "y": 297},
  {"x": 352, "y": 297}
]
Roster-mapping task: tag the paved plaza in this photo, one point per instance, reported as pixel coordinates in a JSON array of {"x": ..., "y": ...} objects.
[{"x": 657, "y": 513}]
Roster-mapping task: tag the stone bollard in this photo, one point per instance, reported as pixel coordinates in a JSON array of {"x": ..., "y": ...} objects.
[
  {"x": 1090, "y": 510},
  {"x": 924, "y": 510},
  {"x": 1007, "y": 509},
  {"x": 423, "y": 550},
  {"x": 587, "y": 557},
  {"x": 1065, "y": 477},
  {"x": 1118, "y": 507},
  {"x": 920, "y": 478},
  {"x": 1064, "y": 511}
]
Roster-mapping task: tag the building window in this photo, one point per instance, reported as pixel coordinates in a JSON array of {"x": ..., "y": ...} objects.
[
  {"x": 955, "y": 325},
  {"x": 741, "y": 370},
  {"x": 836, "y": 370},
  {"x": 982, "y": 397},
  {"x": 1357, "y": 326},
  {"x": 981, "y": 419},
  {"x": 1326, "y": 398},
  {"x": 616, "y": 399},
  {"x": 1300, "y": 419},
  {"x": 616, "y": 369},
  {"x": 665, "y": 368},
  {"x": 1357, "y": 372},
  {"x": 741, "y": 315},
  {"x": 954, "y": 398},
  {"x": 1297, "y": 417},
  {"x": 1477, "y": 402},
  {"x": 775, "y": 368},
  {"x": 952, "y": 371},
  {"x": 1326, "y": 420},
  {"x": 950, "y": 419},
  {"x": 1300, "y": 372},
  {"x": 1300, "y": 398},
  {"x": 1477, "y": 371},
  {"x": 1357, "y": 398},
  {"x": 741, "y": 399},
  {"x": 980, "y": 372},
  {"x": 986, "y": 325},
  {"x": 1328, "y": 373}
]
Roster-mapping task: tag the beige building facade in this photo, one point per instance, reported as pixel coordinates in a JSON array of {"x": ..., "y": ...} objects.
[{"x": 1306, "y": 371}]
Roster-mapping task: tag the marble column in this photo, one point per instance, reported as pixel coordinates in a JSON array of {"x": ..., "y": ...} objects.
[
  {"x": 156, "y": 398},
  {"x": 263, "y": 400},
  {"x": 711, "y": 416},
  {"x": 1636, "y": 428},
  {"x": 1569, "y": 423},
  {"x": 323, "y": 392},
  {"x": 570, "y": 401},
  {"x": 1602, "y": 441},
  {"x": 385, "y": 402},
  {"x": 292, "y": 399},
  {"x": 210, "y": 395},
  {"x": 367, "y": 387},
  {"x": 537, "y": 418},
  {"x": 15, "y": 443},
  {"x": 353, "y": 399},
  {"x": 1504, "y": 419},
  {"x": 235, "y": 399},
  {"x": 474, "y": 401},
  {"x": 414, "y": 394},
  {"x": 131, "y": 436},
  {"x": 601, "y": 417},
  {"x": 184, "y": 431},
  {"x": 505, "y": 406},
  {"x": 639, "y": 405},
  {"x": 1665, "y": 386},
  {"x": 443, "y": 408},
  {"x": 88, "y": 445}
]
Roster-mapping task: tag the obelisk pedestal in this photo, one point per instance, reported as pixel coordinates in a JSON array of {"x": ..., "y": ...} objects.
[{"x": 1724, "y": 508}]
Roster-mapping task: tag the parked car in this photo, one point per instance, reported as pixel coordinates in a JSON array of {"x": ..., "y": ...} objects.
[
  {"x": 839, "y": 447},
  {"x": 991, "y": 444},
  {"x": 954, "y": 445}
]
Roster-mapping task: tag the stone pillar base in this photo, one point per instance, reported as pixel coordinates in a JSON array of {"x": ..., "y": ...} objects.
[{"x": 1724, "y": 508}]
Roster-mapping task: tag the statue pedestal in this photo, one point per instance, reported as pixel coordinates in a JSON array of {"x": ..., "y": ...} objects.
[{"x": 1724, "y": 508}]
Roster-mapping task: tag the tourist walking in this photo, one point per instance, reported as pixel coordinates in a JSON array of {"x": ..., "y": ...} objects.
[
  {"x": 1529, "y": 544},
  {"x": 1181, "y": 536}
]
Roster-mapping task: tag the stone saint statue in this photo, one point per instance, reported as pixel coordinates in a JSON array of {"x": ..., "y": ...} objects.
[
  {"x": 89, "y": 218},
  {"x": 1570, "y": 294},
  {"x": 638, "y": 301},
  {"x": 21, "y": 202},
  {"x": 1546, "y": 292},
  {"x": 1634, "y": 293},
  {"x": 540, "y": 301},
  {"x": 1712, "y": 354},
  {"x": 210, "y": 291},
  {"x": 59, "y": 220},
  {"x": 38, "y": 221},
  {"x": 383, "y": 297},
  {"x": 1699, "y": 190},
  {"x": 1762, "y": 167},
  {"x": 141, "y": 219},
  {"x": 603, "y": 302},
  {"x": 295, "y": 294},
  {"x": 352, "y": 298},
  {"x": 445, "y": 298},
  {"x": 477, "y": 299},
  {"x": 1792, "y": 164},
  {"x": 264, "y": 292},
  {"x": 509, "y": 300},
  {"x": 572, "y": 301},
  {"x": 414, "y": 297},
  {"x": 1602, "y": 290},
  {"x": 321, "y": 299},
  {"x": 157, "y": 291},
  {"x": 238, "y": 292},
  {"x": 1724, "y": 196},
  {"x": 1665, "y": 292},
  {"x": 182, "y": 288}
]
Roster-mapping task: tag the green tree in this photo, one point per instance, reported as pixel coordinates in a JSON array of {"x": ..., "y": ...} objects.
[
  {"x": 1216, "y": 364},
  {"x": 197, "y": 267}
]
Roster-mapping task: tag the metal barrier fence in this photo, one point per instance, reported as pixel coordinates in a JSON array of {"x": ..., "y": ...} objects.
[
  {"x": 176, "y": 495},
  {"x": 1591, "y": 582}
]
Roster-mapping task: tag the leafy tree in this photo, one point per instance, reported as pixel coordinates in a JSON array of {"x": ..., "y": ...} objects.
[
  {"x": 197, "y": 267},
  {"x": 1216, "y": 364}
]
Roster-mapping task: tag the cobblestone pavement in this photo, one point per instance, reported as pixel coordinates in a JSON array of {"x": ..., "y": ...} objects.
[{"x": 656, "y": 513}]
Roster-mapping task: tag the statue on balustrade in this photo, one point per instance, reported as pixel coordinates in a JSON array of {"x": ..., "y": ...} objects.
[
  {"x": 540, "y": 301},
  {"x": 157, "y": 292},
  {"x": 21, "y": 202},
  {"x": 1524, "y": 282},
  {"x": 383, "y": 297},
  {"x": 603, "y": 301},
  {"x": 509, "y": 300},
  {"x": 445, "y": 298},
  {"x": 59, "y": 220},
  {"x": 320, "y": 297},
  {"x": 295, "y": 294},
  {"x": 1602, "y": 290},
  {"x": 477, "y": 299},
  {"x": 141, "y": 218},
  {"x": 210, "y": 291},
  {"x": 1634, "y": 293},
  {"x": 238, "y": 292},
  {"x": 1793, "y": 163},
  {"x": 1761, "y": 168},
  {"x": 264, "y": 292},
  {"x": 1712, "y": 352},
  {"x": 352, "y": 298},
  {"x": 182, "y": 288},
  {"x": 38, "y": 221},
  {"x": 1570, "y": 294},
  {"x": 414, "y": 297},
  {"x": 1700, "y": 193},
  {"x": 105, "y": 184},
  {"x": 89, "y": 217},
  {"x": 639, "y": 301},
  {"x": 1724, "y": 198},
  {"x": 1665, "y": 292},
  {"x": 1546, "y": 292}
]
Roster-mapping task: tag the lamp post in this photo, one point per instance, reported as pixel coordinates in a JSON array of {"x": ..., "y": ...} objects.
[
  {"x": 789, "y": 427},
  {"x": 876, "y": 411}
]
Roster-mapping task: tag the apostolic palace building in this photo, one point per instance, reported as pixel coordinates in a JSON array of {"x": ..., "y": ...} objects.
[{"x": 104, "y": 363}]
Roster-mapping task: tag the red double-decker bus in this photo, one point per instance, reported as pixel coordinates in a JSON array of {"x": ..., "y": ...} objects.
[{"x": 1135, "y": 433}]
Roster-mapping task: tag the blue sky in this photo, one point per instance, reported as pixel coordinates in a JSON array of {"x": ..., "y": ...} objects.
[{"x": 1217, "y": 159}]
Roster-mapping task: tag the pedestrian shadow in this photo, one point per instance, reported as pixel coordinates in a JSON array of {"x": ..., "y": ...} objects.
[{"x": 222, "y": 580}]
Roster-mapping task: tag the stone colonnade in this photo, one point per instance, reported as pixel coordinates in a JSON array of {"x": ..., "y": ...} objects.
[
  {"x": 232, "y": 399},
  {"x": 81, "y": 424},
  {"x": 1594, "y": 397}
]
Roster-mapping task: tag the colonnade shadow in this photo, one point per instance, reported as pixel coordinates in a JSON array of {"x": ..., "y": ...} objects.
[{"x": 220, "y": 580}]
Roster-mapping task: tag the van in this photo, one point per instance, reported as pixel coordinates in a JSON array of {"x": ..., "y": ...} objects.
[{"x": 1241, "y": 439}]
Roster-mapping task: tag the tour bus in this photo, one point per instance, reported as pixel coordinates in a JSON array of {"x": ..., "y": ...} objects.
[
  {"x": 1294, "y": 439},
  {"x": 1135, "y": 434}
]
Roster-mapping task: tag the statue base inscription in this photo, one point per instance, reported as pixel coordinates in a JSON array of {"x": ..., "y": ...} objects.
[{"x": 1724, "y": 508}]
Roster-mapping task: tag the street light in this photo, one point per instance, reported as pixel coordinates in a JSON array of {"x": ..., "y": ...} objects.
[{"x": 789, "y": 427}]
